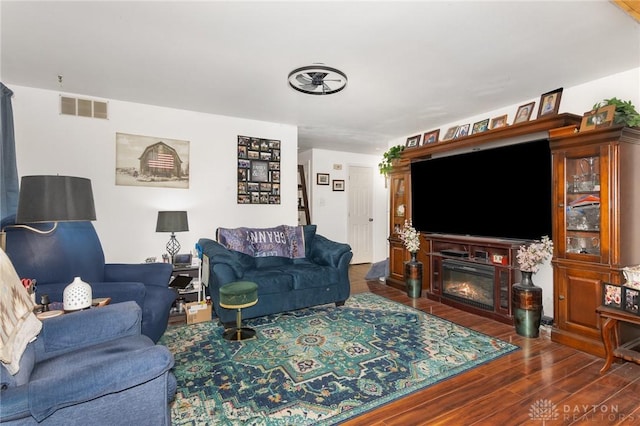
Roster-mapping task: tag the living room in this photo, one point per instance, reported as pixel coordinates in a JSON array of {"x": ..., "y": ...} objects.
[{"x": 48, "y": 142}]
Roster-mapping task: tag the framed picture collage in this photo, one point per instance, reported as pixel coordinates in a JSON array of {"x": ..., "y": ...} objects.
[{"x": 258, "y": 170}]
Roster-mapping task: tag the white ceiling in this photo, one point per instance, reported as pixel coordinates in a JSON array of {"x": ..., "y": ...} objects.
[{"x": 412, "y": 66}]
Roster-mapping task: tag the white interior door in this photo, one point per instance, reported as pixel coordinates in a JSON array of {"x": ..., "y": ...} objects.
[{"x": 360, "y": 222}]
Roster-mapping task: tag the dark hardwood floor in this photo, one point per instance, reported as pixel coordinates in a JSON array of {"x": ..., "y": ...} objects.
[{"x": 515, "y": 389}]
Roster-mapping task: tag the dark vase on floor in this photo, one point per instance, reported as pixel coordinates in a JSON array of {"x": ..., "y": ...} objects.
[
  {"x": 413, "y": 276},
  {"x": 527, "y": 306}
]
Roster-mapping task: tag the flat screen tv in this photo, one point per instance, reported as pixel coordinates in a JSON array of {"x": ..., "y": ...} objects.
[{"x": 502, "y": 192}]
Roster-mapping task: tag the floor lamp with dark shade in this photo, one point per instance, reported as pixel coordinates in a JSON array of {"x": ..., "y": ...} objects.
[
  {"x": 172, "y": 221},
  {"x": 53, "y": 199}
]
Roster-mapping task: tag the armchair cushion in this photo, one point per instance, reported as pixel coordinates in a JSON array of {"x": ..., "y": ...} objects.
[{"x": 75, "y": 330}]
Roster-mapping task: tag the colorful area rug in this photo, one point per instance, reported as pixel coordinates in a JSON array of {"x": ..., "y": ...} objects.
[{"x": 318, "y": 366}]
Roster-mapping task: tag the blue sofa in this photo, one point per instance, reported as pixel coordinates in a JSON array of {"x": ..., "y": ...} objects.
[
  {"x": 74, "y": 250},
  {"x": 284, "y": 284},
  {"x": 90, "y": 367}
]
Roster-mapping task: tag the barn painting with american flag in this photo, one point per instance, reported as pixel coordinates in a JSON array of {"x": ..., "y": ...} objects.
[{"x": 151, "y": 161}]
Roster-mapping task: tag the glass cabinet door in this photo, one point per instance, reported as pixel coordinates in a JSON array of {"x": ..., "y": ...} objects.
[
  {"x": 583, "y": 207},
  {"x": 399, "y": 213}
]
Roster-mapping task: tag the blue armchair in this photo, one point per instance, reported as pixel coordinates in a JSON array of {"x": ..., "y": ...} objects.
[
  {"x": 74, "y": 250},
  {"x": 90, "y": 367}
]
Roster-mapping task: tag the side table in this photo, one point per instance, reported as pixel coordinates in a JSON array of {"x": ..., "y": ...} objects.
[
  {"x": 610, "y": 331},
  {"x": 189, "y": 294},
  {"x": 192, "y": 271}
]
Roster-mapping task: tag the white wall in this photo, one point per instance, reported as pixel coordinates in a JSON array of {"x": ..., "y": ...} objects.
[
  {"x": 50, "y": 143},
  {"x": 576, "y": 100},
  {"x": 329, "y": 209}
]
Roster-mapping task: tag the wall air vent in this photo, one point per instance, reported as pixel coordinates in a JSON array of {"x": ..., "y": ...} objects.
[{"x": 83, "y": 107}]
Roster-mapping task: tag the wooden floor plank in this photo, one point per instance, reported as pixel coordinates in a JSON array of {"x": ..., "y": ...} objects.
[{"x": 508, "y": 390}]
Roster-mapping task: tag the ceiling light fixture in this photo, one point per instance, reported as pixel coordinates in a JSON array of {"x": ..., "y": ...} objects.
[{"x": 317, "y": 79}]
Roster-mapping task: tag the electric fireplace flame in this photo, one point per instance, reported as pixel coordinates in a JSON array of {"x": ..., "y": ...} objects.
[{"x": 470, "y": 285}]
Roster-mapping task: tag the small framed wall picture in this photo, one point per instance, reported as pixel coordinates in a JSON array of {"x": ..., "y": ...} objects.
[
  {"x": 412, "y": 142},
  {"x": 450, "y": 133},
  {"x": 338, "y": 185},
  {"x": 462, "y": 131},
  {"x": 430, "y": 137},
  {"x": 550, "y": 103},
  {"x": 322, "y": 178},
  {"x": 480, "y": 126},
  {"x": 497, "y": 122},
  {"x": 524, "y": 113}
]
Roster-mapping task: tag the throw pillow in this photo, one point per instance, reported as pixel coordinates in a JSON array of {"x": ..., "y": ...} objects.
[{"x": 283, "y": 241}]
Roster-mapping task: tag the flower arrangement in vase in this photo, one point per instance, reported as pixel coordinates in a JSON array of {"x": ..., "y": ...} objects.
[
  {"x": 531, "y": 256},
  {"x": 413, "y": 268},
  {"x": 410, "y": 237}
]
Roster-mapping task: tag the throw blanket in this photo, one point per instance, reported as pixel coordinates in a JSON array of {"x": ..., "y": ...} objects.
[
  {"x": 283, "y": 240},
  {"x": 19, "y": 323}
]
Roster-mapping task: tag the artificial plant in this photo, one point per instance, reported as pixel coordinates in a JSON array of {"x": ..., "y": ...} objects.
[
  {"x": 392, "y": 153},
  {"x": 625, "y": 114}
]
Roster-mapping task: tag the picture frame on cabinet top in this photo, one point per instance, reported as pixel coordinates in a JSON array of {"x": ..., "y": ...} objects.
[
  {"x": 602, "y": 117},
  {"x": 497, "y": 122},
  {"x": 431, "y": 137},
  {"x": 480, "y": 126},
  {"x": 450, "y": 133},
  {"x": 462, "y": 131},
  {"x": 524, "y": 113},
  {"x": 413, "y": 141},
  {"x": 550, "y": 103}
]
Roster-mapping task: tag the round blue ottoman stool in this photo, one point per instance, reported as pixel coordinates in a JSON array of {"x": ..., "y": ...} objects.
[{"x": 238, "y": 295}]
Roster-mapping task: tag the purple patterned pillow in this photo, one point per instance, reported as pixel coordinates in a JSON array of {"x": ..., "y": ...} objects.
[{"x": 283, "y": 241}]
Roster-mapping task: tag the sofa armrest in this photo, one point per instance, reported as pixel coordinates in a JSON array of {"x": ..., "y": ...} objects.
[
  {"x": 156, "y": 274},
  {"x": 75, "y": 330},
  {"x": 217, "y": 254},
  {"x": 326, "y": 252}
]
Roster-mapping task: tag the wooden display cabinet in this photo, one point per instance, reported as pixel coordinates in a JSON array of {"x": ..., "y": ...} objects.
[
  {"x": 399, "y": 181},
  {"x": 596, "y": 231}
]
